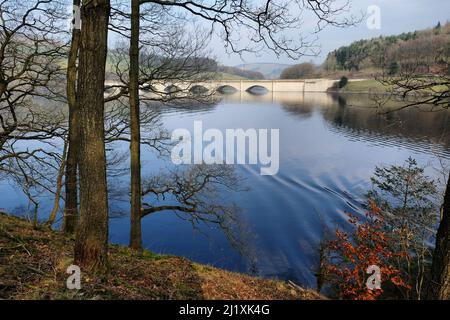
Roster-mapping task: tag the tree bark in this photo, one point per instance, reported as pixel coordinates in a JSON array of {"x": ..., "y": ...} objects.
[
  {"x": 440, "y": 270},
  {"x": 71, "y": 183},
  {"x": 91, "y": 245},
  {"x": 135, "y": 145}
]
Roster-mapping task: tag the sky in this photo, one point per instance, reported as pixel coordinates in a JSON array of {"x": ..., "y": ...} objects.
[{"x": 397, "y": 16}]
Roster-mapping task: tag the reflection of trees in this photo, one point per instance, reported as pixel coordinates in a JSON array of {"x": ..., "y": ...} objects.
[
  {"x": 366, "y": 123},
  {"x": 413, "y": 125},
  {"x": 186, "y": 106},
  {"x": 303, "y": 110},
  {"x": 198, "y": 194}
]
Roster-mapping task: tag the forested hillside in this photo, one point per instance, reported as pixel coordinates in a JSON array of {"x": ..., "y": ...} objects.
[{"x": 422, "y": 50}]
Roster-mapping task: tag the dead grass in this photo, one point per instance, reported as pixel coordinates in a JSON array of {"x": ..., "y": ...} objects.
[{"x": 33, "y": 264}]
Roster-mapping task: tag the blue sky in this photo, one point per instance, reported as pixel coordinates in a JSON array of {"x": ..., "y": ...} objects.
[{"x": 397, "y": 16}]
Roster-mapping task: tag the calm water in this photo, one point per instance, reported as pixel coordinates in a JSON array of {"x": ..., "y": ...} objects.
[{"x": 329, "y": 148}]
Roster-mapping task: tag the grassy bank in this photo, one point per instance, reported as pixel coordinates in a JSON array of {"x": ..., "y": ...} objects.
[
  {"x": 365, "y": 86},
  {"x": 33, "y": 264},
  {"x": 374, "y": 86}
]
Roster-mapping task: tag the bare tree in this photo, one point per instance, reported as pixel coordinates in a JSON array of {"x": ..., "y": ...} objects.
[
  {"x": 59, "y": 186},
  {"x": 32, "y": 47},
  {"x": 135, "y": 145},
  {"x": 71, "y": 177},
  {"x": 159, "y": 56},
  {"x": 430, "y": 90},
  {"x": 31, "y": 50},
  {"x": 266, "y": 24},
  {"x": 91, "y": 245},
  {"x": 34, "y": 171}
]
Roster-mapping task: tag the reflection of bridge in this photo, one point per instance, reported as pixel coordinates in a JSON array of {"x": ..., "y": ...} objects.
[
  {"x": 293, "y": 98},
  {"x": 307, "y": 85}
]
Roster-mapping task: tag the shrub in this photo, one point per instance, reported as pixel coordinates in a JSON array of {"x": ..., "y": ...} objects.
[
  {"x": 350, "y": 254},
  {"x": 407, "y": 199},
  {"x": 395, "y": 236},
  {"x": 393, "y": 68},
  {"x": 343, "y": 82}
]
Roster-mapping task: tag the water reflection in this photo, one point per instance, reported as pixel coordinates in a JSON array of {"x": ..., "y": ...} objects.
[
  {"x": 328, "y": 152},
  {"x": 357, "y": 117}
]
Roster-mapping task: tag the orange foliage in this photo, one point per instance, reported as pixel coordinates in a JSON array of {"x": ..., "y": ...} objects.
[{"x": 351, "y": 255}]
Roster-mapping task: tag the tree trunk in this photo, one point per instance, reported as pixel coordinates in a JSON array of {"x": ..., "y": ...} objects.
[
  {"x": 59, "y": 185},
  {"x": 91, "y": 245},
  {"x": 71, "y": 183},
  {"x": 440, "y": 270},
  {"x": 135, "y": 145}
]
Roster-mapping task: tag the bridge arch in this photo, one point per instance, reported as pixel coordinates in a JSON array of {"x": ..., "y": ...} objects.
[
  {"x": 110, "y": 89},
  {"x": 227, "y": 89},
  {"x": 147, "y": 88},
  {"x": 198, "y": 89},
  {"x": 257, "y": 89},
  {"x": 172, "y": 89}
]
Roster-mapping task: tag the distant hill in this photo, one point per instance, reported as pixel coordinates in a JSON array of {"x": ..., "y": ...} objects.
[
  {"x": 421, "y": 51},
  {"x": 228, "y": 76},
  {"x": 269, "y": 70},
  {"x": 240, "y": 73}
]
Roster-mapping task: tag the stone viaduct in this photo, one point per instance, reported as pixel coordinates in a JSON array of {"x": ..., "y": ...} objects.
[{"x": 306, "y": 85}]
